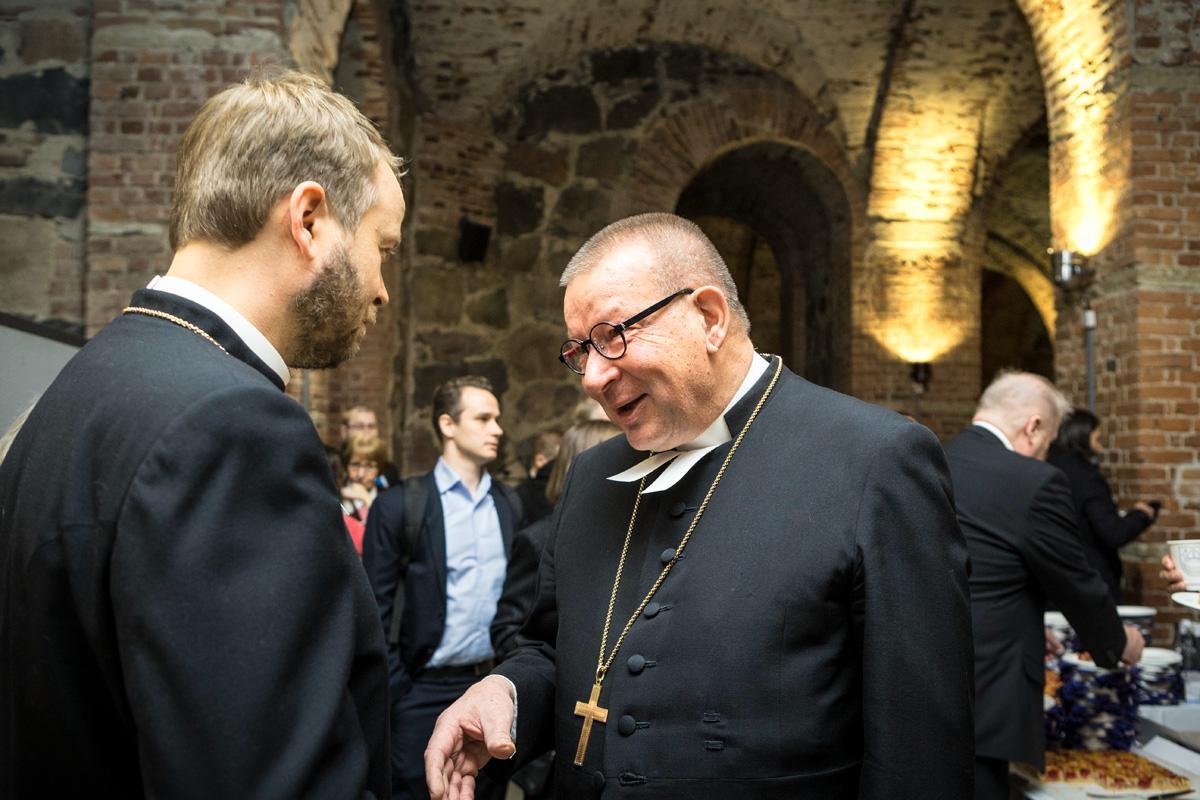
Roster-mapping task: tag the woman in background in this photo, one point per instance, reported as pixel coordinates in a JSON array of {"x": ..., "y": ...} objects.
[
  {"x": 365, "y": 458},
  {"x": 1102, "y": 528}
]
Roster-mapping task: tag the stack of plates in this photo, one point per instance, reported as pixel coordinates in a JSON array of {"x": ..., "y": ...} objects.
[
  {"x": 1159, "y": 677},
  {"x": 1097, "y": 708},
  {"x": 1141, "y": 617}
]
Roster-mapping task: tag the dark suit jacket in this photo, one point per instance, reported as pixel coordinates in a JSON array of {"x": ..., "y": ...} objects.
[
  {"x": 1016, "y": 514},
  {"x": 182, "y": 613},
  {"x": 520, "y": 583},
  {"x": 424, "y": 579},
  {"x": 813, "y": 641},
  {"x": 1101, "y": 529}
]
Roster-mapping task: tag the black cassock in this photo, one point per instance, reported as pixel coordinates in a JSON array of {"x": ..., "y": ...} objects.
[
  {"x": 182, "y": 612},
  {"x": 813, "y": 641}
]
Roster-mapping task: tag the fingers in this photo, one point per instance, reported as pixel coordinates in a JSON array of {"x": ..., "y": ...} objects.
[
  {"x": 462, "y": 787},
  {"x": 495, "y": 736},
  {"x": 442, "y": 745}
]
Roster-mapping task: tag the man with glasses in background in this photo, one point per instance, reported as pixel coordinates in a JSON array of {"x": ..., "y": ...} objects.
[{"x": 759, "y": 591}]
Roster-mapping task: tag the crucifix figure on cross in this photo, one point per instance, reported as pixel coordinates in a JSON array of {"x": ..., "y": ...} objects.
[{"x": 591, "y": 712}]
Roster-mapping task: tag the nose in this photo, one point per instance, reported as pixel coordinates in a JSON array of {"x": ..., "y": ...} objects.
[
  {"x": 598, "y": 372},
  {"x": 381, "y": 297}
]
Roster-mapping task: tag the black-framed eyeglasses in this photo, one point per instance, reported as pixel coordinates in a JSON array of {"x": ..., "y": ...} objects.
[{"x": 606, "y": 338}]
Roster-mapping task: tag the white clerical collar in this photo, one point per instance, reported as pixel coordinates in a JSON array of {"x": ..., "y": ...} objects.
[
  {"x": 245, "y": 330},
  {"x": 987, "y": 426},
  {"x": 686, "y": 456}
]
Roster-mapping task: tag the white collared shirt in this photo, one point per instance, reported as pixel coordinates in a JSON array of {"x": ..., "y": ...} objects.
[
  {"x": 999, "y": 434},
  {"x": 475, "y": 567},
  {"x": 245, "y": 330},
  {"x": 686, "y": 456}
]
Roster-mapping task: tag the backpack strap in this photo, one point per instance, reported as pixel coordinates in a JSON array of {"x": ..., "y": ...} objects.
[{"x": 415, "y": 497}]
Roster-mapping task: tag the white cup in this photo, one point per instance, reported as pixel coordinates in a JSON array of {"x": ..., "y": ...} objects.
[{"x": 1186, "y": 555}]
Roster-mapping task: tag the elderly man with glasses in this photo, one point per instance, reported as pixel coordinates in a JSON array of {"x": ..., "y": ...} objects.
[{"x": 759, "y": 591}]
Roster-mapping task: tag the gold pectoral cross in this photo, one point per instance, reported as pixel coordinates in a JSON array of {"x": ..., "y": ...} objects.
[{"x": 591, "y": 712}]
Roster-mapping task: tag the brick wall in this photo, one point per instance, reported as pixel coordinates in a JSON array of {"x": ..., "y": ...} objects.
[
  {"x": 153, "y": 64},
  {"x": 1140, "y": 102}
]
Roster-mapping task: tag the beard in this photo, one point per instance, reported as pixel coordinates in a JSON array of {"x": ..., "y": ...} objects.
[{"x": 329, "y": 315}]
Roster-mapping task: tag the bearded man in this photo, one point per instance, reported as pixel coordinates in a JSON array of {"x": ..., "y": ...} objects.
[
  {"x": 759, "y": 591},
  {"x": 182, "y": 612}
]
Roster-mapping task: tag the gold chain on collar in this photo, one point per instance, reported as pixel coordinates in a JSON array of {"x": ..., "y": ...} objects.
[
  {"x": 603, "y": 664},
  {"x": 183, "y": 323}
]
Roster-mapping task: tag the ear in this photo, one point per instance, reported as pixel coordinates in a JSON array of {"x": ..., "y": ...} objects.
[
  {"x": 1033, "y": 425},
  {"x": 446, "y": 426},
  {"x": 308, "y": 218},
  {"x": 715, "y": 310}
]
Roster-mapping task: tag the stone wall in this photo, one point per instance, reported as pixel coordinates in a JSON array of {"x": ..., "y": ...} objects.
[
  {"x": 617, "y": 132},
  {"x": 45, "y": 68}
]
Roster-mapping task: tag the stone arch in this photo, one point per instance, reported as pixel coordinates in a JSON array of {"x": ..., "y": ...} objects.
[
  {"x": 682, "y": 142},
  {"x": 790, "y": 200},
  {"x": 759, "y": 36},
  {"x": 1013, "y": 333},
  {"x": 1031, "y": 278}
]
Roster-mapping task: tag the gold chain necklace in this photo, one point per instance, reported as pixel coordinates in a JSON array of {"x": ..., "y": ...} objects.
[
  {"x": 591, "y": 710},
  {"x": 183, "y": 323}
]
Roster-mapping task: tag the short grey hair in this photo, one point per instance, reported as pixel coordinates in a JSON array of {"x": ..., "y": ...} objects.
[
  {"x": 1013, "y": 396},
  {"x": 684, "y": 255}
]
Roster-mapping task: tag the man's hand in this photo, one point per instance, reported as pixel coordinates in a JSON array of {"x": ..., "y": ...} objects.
[
  {"x": 1134, "y": 643},
  {"x": 1146, "y": 509},
  {"x": 1054, "y": 647},
  {"x": 1173, "y": 575},
  {"x": 468, "y": 734}
]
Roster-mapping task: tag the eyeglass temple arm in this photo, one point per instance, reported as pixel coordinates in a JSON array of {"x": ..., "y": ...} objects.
[{"x": 636, "y": 318}]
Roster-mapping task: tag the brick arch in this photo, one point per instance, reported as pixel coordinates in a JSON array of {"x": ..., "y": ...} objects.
[
  {"x": 1030, "y": 277},
  {"x": 694, "y": 134},
  {"x": 759, "y": 36}
]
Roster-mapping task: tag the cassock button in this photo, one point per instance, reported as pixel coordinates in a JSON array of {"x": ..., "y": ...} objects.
[
  {"x": 598, "y": 780},
  {"x": 677, "y": 508},
  {"x": 652, "y": 610},
  {"x": 636, "y": 664},
  {"x": 667, "y": 554},
  {"x": 626, "y": 725}
]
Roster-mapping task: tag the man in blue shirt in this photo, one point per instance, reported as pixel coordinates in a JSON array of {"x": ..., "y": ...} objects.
[{"x": 436, "y": 550}]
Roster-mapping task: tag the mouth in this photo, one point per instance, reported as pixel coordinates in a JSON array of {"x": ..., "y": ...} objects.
[{"x": 626, "y": 411}]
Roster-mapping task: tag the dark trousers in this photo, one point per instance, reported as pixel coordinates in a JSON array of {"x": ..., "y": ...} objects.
[
  {"x": 413, "y": 717},
  {"x": 991, "y": 778}
]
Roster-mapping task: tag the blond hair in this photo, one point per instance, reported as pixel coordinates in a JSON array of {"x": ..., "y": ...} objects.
[
  {"x": 369, "y": 447},
  {"x": 252, "y": 144},
  {"x": 684, "y": 256},
  {"x": 579, "y": 437}
]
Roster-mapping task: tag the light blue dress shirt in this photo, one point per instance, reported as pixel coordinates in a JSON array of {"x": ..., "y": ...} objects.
[{"x": 475, "y": 566}]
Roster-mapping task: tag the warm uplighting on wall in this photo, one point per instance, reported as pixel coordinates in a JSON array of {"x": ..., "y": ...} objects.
[
  {"x": 1083, "y": 199},
  {"x": 918, "y": 320}
]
